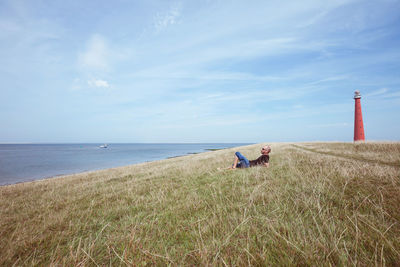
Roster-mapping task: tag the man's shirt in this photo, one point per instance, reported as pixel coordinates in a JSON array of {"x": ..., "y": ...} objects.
[{"x": 261, "y": 160}]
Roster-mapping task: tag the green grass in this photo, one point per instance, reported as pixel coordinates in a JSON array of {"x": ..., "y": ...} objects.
[{"x": 317, "y": 204}]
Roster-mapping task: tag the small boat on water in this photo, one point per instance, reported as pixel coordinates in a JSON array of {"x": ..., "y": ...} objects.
[{"x": 104, "y": 146}]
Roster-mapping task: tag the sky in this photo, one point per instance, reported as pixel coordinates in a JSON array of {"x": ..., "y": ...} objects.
[{"x": 197, "y": 71}]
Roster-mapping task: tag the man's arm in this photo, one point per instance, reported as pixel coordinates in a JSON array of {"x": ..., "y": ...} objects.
[{"x": 266, "y": 164}]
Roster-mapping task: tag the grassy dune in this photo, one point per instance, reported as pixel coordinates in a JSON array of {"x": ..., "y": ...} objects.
[{"x": 318, "y": 203}]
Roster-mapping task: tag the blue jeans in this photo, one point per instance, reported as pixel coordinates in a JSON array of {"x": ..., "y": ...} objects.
[{"x": 243, "y": 162}]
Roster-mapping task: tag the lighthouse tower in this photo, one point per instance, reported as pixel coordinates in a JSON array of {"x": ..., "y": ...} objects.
[{"x": 358, "y": 121}]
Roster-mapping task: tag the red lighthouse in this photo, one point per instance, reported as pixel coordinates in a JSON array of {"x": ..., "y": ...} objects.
[{"x": 358, "y": 121}]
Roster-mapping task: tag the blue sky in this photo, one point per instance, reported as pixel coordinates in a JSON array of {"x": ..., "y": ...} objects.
[{"x": 198, "y": 71}]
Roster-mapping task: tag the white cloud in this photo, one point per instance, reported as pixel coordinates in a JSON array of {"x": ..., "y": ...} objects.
[
  {"x": 79, "y": 84},
  {"x": 377, "y": 92},
  {"x": 76, "y": 85},
  {"x": 331, "y": 79},
  {"x": 95, "y": 55},
  {"x": 393, "y": 95},
  {"x": 330, "y": 125},
  {"x": 169, "y": 18},
  {"x": 98, "y": 83}
]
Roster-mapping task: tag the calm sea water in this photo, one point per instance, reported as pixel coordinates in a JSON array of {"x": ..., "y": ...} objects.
[{"x": 27, "y": 162}]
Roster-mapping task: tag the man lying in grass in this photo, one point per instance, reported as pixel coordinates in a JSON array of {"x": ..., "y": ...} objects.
[{"x": 242, "y": 162}]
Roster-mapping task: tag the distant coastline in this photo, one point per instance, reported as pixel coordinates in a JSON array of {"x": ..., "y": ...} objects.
[{"x": 25, "y": 162}]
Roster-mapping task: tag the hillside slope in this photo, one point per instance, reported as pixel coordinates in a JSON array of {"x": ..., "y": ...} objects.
[{"x": 318, "y": 203}]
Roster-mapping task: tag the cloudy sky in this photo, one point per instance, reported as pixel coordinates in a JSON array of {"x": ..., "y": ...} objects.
[{"x": 198, "y": 71}]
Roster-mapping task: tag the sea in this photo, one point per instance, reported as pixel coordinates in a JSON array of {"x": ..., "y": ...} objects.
[{"x": 29, "y": 162}]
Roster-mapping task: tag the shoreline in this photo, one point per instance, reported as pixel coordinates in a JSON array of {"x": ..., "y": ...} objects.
[{"x": 88, "y": 172}]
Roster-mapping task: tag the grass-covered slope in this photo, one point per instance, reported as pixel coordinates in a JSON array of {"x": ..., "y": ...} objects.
[{"x": 318, "y": 203}]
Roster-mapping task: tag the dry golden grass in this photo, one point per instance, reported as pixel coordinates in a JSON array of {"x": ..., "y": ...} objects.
[
  {"x": 318, "y": 204},
  {"x": 383, "y": 152}
]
